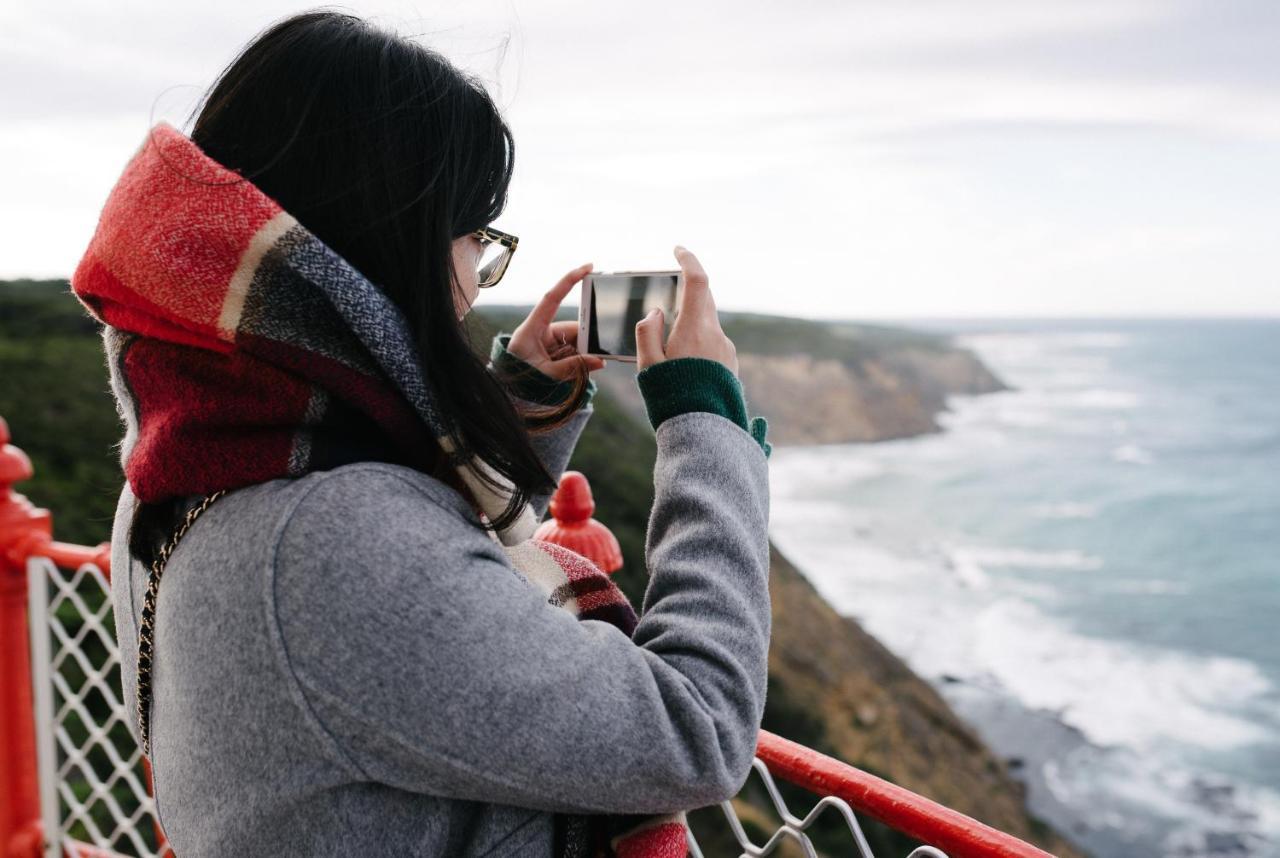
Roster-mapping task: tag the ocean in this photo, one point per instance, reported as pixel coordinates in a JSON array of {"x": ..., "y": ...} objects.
[{"x": 1087, "y": 567}]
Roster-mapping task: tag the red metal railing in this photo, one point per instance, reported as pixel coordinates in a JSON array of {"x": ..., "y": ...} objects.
[
  {"x": 26, "y": 532},
  {"x": 917, "y": 817}
]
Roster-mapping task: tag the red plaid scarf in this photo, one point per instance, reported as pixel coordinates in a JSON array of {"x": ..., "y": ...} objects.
[{"x": 243, "y": 349}]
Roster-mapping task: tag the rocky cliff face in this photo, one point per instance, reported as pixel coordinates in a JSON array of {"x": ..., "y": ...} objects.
[
  {"x": 813, "y": 400},
  {"x": 823, "y": 387}
]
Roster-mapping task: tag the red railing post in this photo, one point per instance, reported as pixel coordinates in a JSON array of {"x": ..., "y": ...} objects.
[{"x": 22, "y": 525}]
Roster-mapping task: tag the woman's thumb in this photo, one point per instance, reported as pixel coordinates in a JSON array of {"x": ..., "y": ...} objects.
[{"x": 649, "y": 348}]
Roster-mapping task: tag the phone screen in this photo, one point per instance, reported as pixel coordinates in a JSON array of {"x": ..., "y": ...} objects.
[{"x": 616, "y": 302}]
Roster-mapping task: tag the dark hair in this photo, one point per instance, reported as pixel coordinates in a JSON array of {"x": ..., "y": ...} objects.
[{"x": 387, "y": 153}]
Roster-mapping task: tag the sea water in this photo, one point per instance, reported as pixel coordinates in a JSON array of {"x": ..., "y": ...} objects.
[{"x": 1087, "y": 567}]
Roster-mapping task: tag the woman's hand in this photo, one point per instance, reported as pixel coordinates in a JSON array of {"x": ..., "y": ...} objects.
[
  {"x": 550, "y": 346},
  {"x": 696, "y": 331}
]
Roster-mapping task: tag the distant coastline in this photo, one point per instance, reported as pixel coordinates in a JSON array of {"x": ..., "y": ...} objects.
[{"x": 839, "y": 382}]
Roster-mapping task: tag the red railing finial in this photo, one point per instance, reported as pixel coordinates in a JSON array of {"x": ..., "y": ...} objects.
[
  {"x": 14, "y": 464},
  {"x": 26, "y": 529},
  {"x": 572, "y": 526},
  {"x": 22, "y": 524}
]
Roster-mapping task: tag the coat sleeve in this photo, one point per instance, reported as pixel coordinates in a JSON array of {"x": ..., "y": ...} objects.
[
  {"x": 438, "y": 670},
  {"x": 555, "y": 447},
  {"x": 532, "y": 387}
]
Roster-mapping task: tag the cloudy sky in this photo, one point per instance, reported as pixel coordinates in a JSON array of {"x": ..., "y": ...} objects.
[{"x": 826, "y": 158}]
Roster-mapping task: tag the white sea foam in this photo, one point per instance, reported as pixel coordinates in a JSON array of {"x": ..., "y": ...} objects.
[
  {"x": 1131, "y": 454},
  {"x": 1189, "y": 814},
  {"x": 1149, "y": 587},
  {"x": 1044, "y": 397},
  {"x": 800, "y": 471},
  {"x": 1053, "y": 352},
  {"x": 1089, "y": 411},
  {"x": 1088, "y": 339},
  {"x": 1019, "y": 558},
  {"x": 1065, "y": 510},
  {"x": 968, "y": 570},
  {"x": 1119, "y": 693},
  {"x": 1100, "y": 399},
  {"x": 939, "y": 613}
]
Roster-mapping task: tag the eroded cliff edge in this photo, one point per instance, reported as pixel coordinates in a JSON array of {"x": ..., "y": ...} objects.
[{"x": 838, "y": 382}]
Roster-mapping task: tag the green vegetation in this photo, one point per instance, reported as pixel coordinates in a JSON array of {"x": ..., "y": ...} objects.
[
  {"x": 55, "y": 396},
  {"x": 849, "y": 342}
]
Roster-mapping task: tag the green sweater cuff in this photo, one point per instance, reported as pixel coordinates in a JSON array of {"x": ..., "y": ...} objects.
[
  {"x": 680, "y": 385},
  {"x": 528, "y": 382}
]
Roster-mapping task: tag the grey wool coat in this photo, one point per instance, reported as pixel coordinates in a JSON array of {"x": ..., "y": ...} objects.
[{"x": 346, "y": 666}]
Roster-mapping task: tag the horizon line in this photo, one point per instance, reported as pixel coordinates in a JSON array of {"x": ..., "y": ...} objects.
[{"x": 1074, "y": 316}]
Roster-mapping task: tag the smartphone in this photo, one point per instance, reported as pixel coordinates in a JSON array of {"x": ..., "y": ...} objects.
[{"x": 613, "y": 302}]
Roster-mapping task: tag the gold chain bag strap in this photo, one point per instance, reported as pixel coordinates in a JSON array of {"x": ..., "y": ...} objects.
[{"x": 146, "y": 626}]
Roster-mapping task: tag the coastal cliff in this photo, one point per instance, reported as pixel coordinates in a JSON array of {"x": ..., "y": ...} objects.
[{"x": 836, "y": 383}]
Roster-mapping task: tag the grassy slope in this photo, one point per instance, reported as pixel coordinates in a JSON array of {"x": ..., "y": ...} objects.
[{"x": 831, "y": 686}]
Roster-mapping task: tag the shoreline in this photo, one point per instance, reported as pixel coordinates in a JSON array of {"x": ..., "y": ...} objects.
[
  {"x": 1033, "y": 743},
  {"x": 844, "y": 693},
  {"x": 1119, "y": 750}
]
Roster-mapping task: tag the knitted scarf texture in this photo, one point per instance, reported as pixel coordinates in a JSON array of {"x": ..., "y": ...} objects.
[{"x": 243, "y": 349}]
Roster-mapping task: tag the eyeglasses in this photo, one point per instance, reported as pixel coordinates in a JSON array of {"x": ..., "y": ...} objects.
[{"x": 497, "y": 250}]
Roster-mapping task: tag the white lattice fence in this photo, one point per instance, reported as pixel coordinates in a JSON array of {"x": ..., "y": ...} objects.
[
  {"x": 94, "y": 799},
  {"x": 796, "y": 829}
]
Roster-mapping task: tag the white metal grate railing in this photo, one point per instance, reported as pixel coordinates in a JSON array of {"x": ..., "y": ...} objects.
[
  {"x": 794, "y": 828},
  {"x": 93, "y": 785},
  {"x": 94, "y": 799}
]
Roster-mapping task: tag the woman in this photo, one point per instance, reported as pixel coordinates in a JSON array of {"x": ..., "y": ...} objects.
[{"x": 354, "y": 651}]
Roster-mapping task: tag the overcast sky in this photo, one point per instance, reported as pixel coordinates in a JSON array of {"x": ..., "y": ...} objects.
[{"x": 826, "y": 159}]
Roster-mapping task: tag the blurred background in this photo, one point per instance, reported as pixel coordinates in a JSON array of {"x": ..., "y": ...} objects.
[{"x": 1002, "y": 275}]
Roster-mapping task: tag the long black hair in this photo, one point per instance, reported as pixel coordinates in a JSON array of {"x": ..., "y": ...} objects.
[{"x": 387, "y": 153}]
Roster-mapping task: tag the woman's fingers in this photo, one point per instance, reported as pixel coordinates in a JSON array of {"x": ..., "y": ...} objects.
[
  {"x": 538, "y": 335},
  {"x": 696, "y": 303},
  {"x": 544, "y": 312},
  {"x": 649, "y": 330},
  {"x": 565, "y": 331},
  {"x": 563, "y": 362},
  {"x": 696, "y": 331}
]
